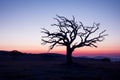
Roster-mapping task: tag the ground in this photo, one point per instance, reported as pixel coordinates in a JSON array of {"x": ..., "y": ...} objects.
[{"x": 46, "y": 67}]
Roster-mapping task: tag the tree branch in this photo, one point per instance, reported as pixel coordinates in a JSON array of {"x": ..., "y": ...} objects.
[{"x": 69, "y": 30}]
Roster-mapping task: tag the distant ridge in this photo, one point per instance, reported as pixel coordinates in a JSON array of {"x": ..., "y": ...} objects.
[
  {"x": 3, "y": 52},
  {"x": 8, "y": 55},
  {"x": 13, "y": 52},
  {"x": 17, "y": 55}
]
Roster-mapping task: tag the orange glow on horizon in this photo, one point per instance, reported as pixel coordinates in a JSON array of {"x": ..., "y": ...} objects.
[
  {"x": 36, "y": 49},
  {"x": 63, "y": 50}
]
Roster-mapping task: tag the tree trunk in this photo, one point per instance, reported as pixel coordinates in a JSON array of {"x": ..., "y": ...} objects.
[{"x": 69, "y": 55}]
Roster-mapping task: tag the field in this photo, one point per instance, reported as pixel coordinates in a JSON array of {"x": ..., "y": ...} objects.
[{"x": 53, "y": 67}]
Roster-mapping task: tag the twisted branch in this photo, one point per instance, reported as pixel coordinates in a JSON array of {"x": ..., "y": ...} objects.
[{"x": 69, "y": 30}]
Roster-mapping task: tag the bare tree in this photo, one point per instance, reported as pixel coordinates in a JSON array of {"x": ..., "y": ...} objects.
[{"x": 72, "y": 34}]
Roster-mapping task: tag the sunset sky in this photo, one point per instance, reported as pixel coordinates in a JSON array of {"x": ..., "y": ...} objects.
[{"x": 21, "y": 22}]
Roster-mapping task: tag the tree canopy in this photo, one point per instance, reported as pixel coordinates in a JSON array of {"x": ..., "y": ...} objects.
[{"x": 72, "y": 34}]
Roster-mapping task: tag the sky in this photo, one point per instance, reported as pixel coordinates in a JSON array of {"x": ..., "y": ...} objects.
[{"x": 21, "y": 22}]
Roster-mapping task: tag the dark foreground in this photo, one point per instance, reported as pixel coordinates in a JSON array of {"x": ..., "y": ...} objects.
[{"x": 53, "y": 67}]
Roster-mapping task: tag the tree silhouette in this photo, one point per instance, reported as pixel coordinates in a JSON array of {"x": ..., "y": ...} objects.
[{"x": 72, "y": 35}]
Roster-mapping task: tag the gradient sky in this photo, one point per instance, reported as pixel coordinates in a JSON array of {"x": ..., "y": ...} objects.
[{"x": 21, "y": 22}]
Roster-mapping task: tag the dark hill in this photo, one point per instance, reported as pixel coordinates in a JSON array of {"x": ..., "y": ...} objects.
[
  {"x": 15, "y": 65},
  {"x": 17, "y": 55},
  {"x": 4, "y": 52},
  {"x": 14, "y": 52}
]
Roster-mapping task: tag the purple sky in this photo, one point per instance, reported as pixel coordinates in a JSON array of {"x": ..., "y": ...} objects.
[{"x": 21, "y": 22}]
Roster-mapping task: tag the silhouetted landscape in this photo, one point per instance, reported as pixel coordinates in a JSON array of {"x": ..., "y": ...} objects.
[
  {"x": 15, "y": 65},
  {"x": 59, "y": 40}
]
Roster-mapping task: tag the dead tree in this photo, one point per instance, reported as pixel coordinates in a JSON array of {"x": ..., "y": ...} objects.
[{"x": 72, "y": 34}]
